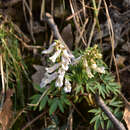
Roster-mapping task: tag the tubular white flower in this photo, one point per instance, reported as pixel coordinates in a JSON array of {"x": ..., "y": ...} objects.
[
  {"x": 62, "y": 67},
  {"x": 90, "y": 75},
  {"x": 65, "y": 66},
  {"x": 94, "y": 66},
  {"x": 101, "y": 70},
  {"x": 67, "y": 87},
  {"x": 59, "y": 81},
  {"x": 71, "y": 56},
  {"x": 67, "y": 54},
  {"x": 50, "y": 49},
  {"x": 65, "y": 63},
  {"x": 99, "y": 55},
  {"x": 53, "y": 68},
  {"x": 54, "y": 57},
  {"x": 61, "y": 74},
  {"x": 48, "y": 79},
  {"x": 66, "y": 59},
  {"x": 98, "y": 69},
  {"x": 88, "y": 71},
  {"x": 85, "y": 63},
  {"x": 61, "y": 71}
]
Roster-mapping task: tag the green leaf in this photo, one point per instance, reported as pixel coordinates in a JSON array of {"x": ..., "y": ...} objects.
[
  {"x": 78, "y": 88},
  {"x": 97, "y": 124},
  {"x": 61, "y": 106},
  {"x": 66, "y": 101},
  {"x": 119, "y": 115},
  {"x": 115, "y": 103},
  {"x": 94, "y": 119},
  {"x": 62, "y": 98},
  {"x": 104, "y": 116},
  {"x": 38, "y": 88},
  {"x": 102, "y": 122},
  {"x": 50, "y": 101},
  {"x": 53, "y": 106},
  {"x": 43, "y": 102},
  {"x": 76, "y": 98},
  {"x": 108, "y": 88},
  {"x": 109, "y": 125},
  {"x": 82, "y": 90},
  {"x": 35, "y": 97},
  {"x": 95, "y": 111},
  {"x": 90, "y": 88}
]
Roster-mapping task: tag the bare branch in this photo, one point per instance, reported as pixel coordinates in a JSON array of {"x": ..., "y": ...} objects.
[
  {"x": 49, "y": 19},
  {"x": 106, "y": 110}
]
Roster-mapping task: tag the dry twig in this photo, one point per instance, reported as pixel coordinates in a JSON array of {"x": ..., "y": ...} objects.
[
  {"x": 111, "y": 32},
  {"x": 31, "y": 122},
  {"x": 105, "y": 109},
  {"x": 49, "y": 19}
]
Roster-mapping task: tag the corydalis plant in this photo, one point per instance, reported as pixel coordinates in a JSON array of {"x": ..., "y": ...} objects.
[
  {"x": 61, "y": 59},
  {"x": 83, "y": 77}
]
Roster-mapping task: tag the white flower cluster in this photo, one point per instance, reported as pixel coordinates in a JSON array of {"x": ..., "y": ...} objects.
[
  {"x": 51, "y": 72},
  {"x": 94, "y": 67}
]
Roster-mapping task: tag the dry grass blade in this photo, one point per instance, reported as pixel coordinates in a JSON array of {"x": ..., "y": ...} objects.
[
  {"x": 111, "y": 32},
  {"x": 84, "y": 9},
  {"x": 3, "y": 82},
  {"x": 96, "y": 11},
  {"x": 76, "y": 21},
  {"x": 73, "y": 15},
  {"x": 42, "y": 10},
  {"x": 81, "y": 33},
  {"x": 30, "y": 23}
]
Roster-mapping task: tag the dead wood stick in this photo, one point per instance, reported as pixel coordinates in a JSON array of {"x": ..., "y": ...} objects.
[
  {"x": 29, "y": 47},
  {"x": 50, "y": 21},
  {"x": 106, "y": 110}
]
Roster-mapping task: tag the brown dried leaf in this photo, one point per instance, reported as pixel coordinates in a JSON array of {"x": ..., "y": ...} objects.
[
  {"x": 67, "y": 35},
  {"x": 6, "y": 112},
  {"x": 38, "y": 75},
  {"x": 126, "y": 47},
  {"x": 120, "y": 60},
  {"x": 127, "y": 115}
]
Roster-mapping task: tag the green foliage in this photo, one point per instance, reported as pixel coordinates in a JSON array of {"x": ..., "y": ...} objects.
[
  {"x": 13, "y": 65},
  {"x": 52, "y": 99}
]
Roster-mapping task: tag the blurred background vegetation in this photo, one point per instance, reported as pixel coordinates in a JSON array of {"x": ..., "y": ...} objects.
[{"x": 24, "y": 34}]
